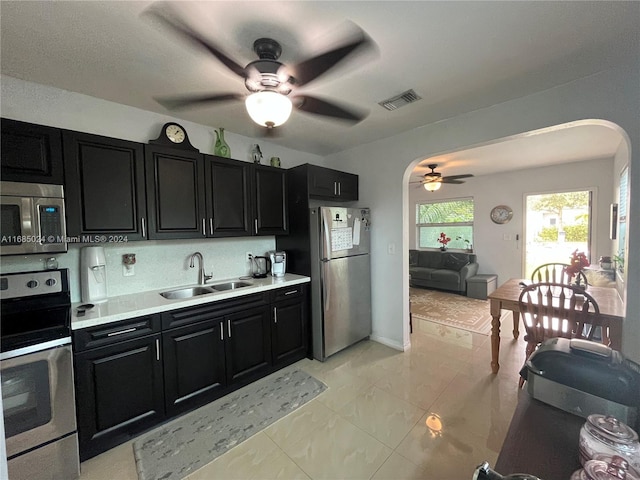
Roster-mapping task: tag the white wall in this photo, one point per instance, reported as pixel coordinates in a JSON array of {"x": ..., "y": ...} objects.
[
  {"x": 504, "y": 257},
  {"x": 159, "y": 264},
  {"x": 34, "y": 103},
  {"x": 385, "y": 167}
]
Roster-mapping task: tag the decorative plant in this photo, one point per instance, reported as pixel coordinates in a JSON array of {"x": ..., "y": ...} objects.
[
  {"x": 619, "y": 259},
  {"x": 468, "y": 242},
  {"x": 577, "y": 262},
  {"x": 443, "y": 240}
]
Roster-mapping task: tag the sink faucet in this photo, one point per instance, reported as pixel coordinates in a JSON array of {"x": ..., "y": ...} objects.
[{"x": 202, "y": 277}]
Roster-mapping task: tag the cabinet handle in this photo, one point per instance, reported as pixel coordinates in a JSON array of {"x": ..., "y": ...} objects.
[
  {"x": 158, "y": 349},
  {"x": 144, "y": 227},
  {"x": 210, "y": 226},
  {"x": 221, "y": 331},
  {"x": 291, "y": 292},
  {"x": 335, "y": 188},
  {"x": 229, "y": 328},
  {"x": 275, "y": 314},
  {"x": 128, "y": 330},
  {"x": 204, "y": 227},
  {"x": 255, "y": 222},
  {"x": 339, "y": 189}
]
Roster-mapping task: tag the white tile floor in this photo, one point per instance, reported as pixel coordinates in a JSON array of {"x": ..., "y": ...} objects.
[{"x": 432, "y": 412}]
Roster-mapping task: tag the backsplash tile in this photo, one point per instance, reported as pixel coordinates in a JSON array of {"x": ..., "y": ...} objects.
[{"x": 159, "y": 264}]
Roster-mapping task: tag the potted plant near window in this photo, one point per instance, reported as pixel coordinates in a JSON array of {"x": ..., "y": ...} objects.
[
  {"x": 577, "y": 262},
  {"x": 619, "y": 259},
  {"x": 443, "y": 240},
  {"x": 469, "y": 247}
]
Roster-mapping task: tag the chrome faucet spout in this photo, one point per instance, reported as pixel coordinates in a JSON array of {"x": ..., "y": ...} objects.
[{"x": 202, "y": 276}]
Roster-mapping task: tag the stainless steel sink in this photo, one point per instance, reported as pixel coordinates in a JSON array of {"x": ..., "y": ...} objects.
[
  {"x": 187, "y": 292},
  {"x": 230, "y": 286}
]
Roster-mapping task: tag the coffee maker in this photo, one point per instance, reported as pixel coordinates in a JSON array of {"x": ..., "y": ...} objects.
[
  {"x": 93, "y": 275},
  {"x": 278, "y": 263}
]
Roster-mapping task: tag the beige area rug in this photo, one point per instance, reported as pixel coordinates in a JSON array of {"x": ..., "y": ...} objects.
[{"x": 451, "y": 309}]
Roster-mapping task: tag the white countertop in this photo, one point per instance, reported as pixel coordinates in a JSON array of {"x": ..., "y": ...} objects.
[{"x": 146, "y": 303}]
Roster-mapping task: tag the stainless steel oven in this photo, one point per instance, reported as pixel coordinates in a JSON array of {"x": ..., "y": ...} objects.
[
  {"x": 33, "y": 218},
  {"x": 36, "y": 370}
]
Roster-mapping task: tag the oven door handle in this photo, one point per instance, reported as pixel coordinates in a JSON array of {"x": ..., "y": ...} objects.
[{"x": 18, "y": 352}]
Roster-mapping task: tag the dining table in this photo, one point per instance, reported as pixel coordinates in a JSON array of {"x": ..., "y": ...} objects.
[{"x": 506, "y": 297}]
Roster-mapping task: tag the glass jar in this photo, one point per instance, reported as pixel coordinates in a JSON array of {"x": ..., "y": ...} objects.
[
  {"x": 602, "y": 434},
  {"x": 616, "y": 468}
]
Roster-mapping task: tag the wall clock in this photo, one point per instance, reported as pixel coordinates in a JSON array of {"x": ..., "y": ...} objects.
[
  {"x": 174, "y": 135},
  {"x": 501, "y": 214}
]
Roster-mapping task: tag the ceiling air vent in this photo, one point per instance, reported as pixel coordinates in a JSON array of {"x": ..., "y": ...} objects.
[{"x": 401, "y": 100}]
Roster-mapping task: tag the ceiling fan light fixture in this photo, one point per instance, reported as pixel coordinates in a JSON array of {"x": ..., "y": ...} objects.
[
  {"x": 432, "y": 186},
  {"x": 268, "y": 109}
]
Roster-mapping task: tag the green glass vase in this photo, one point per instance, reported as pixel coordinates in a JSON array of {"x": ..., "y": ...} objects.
[{"x": 221, "y": 147}]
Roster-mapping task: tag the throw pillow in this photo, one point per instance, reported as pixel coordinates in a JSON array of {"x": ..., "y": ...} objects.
[{"x": 455, "y": 261}]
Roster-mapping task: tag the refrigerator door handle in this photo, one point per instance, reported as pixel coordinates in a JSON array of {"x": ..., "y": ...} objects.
[
  {"x": 326, "y": 288},
  {"x": 325, "y": 232}
]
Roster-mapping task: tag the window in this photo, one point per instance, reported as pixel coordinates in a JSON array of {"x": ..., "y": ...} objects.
[{"x": 453, "y": 217}]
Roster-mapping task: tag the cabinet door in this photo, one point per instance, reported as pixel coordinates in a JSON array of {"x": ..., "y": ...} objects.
[
  {"x": 194, "y": 365},
  {"x": 31, "y": 153},
  {"x": 270, "y": 213},
  {"x": 248, "y": 344},
  {"x": 289, "y": 334},
  {"x": 119, "y": 393},
  {"x": 105, "y": 191},
  {"x": 348, "y": 186},
  {"x": 332, "y": 184},
  {"x": 175, "y": 193},
  {"x": 322, "y": 182},
  {"x": 228, "y": 207}
]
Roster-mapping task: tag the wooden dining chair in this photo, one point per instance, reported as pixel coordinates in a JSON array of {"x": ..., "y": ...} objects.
[
  {"x": 551, "y": 310},
  {"x": 556, "y": 273}
]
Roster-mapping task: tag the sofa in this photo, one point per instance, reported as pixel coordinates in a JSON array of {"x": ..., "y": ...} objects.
[{"x": 442, "y": 270}]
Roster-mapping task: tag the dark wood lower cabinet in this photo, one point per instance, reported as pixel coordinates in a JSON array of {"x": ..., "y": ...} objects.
[
  {"x": 289, "y": 332},
  {"x": 248, "y": 344},
  {"x": 119, "y": 393},
  {"x": 134, "y": 374},
  {"x": 194, "y": 365}
]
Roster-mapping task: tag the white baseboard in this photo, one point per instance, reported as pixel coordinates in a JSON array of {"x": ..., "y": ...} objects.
[{"x": 389, "y": 343}]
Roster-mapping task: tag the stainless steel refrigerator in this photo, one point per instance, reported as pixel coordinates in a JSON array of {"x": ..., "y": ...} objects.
[{"x": 340, "y": 278}]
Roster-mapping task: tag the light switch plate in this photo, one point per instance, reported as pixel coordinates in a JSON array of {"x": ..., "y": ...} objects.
[{"x": 128, "y": 272}]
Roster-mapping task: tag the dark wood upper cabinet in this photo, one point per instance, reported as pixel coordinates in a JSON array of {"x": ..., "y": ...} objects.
[
  {"x": 331, "y": 184},
  {"x": 270, "y": 204},
  {"x": 105, "y": 186},
  {"x": 31, "y": 153},
  {"x": 228, "y": 184},
  {"x": 175, "y": 193}
]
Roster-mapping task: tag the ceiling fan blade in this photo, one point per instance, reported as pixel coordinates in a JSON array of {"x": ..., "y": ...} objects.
[
  {"x": 171, "y": 20},
  {"x": 457, "y": 177},
  {"x": 449, "y": 180},
  {"x": 312, "y": 68},
  {"x": 314, "y": 105},
  {"x": 186, "y": 101}
]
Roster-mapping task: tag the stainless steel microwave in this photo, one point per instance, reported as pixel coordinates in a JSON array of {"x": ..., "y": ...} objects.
[{"x": 33, "y": 218}]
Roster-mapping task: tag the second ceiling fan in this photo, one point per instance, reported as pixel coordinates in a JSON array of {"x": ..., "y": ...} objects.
[
  {"x": 433, "y": 180},
  {"x": 269, "y": 81}
]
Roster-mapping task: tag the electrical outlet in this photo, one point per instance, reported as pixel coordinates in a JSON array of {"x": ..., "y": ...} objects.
[
  {"x": 128, "y": 270},
  {"x": 249, "y": 256}
]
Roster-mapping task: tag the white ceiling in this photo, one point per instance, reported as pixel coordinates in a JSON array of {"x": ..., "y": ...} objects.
[{"x": 458, "y": 56}]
